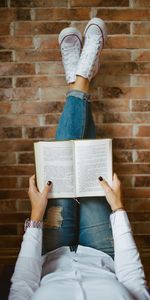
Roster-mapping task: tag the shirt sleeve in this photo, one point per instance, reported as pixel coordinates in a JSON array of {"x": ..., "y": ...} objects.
[
  {"x": 128, "y": 266},
  {"x": 27, "y": 273}
]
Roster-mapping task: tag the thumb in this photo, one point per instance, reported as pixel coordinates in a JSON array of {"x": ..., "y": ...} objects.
[
  {"x": 104, "y": 184},
  {"x": 47, "y": 189}
]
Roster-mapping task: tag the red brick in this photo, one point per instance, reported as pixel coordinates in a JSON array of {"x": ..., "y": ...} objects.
[
  {"x": 141, "y": 80},
  {"x": 132, "y": 169},
  {"x": 38, "y": 56},
  {"x": 111, "y": 55},
  {"x": 123, "y": 117},
  {"x": 118, "y": 28},
  {"x": 134, "y": 204},
  {"x": 111, "y": 105},
  {"x": 9, "y": 132},
  {"x": 14, "y": 217},
  {"x": 39, "y": 3},
  {"x": 138, "y": 216},
  {"x": 39, "y": 107},
  {"x": 41, "y": 132},
  {"x": 12, "y": 69},
  {"x": 13, "y": 194},
  {"x": 142, "y": 156},
  {"x": 141, "y": 28},
  {"x": 19, "y": 120},
  {"x": 142, "y": 240},
  {"x": 113, "y": 130},
  {"x": 141, "y": 105},
  {"x": 141, "y": 181},
  {"x": 124, "y": 14},
  {"x": 24, "y": 205},
  {"x": 46, "y": 42},
  {"x": 7, "y": 14},
  {"x": 17, "y": 170},
  {"x": 16, "y": 145},
  {"x": 16, "y": 42},
  {"x": 122, "y": 68},
  {"x": 3, "y": 3},
  {"x": 52, "y": 119},
  {"x": 140, "y": 3},
  {"x": 4, "y": 28},
  {"x": 10, "y": 242},
  {"x": 126, "y": 92},
  {"x": 39, "y": 81},
  {"x": 128, "y": 42},
  {"x": 54, "y": 94},
  {"x": 143, "y": 131},
  {"x": 7, "y": 158},
  {"x": 23, "y": 182},
  {"x": 5, "y": 82},
  {"x": 8, "y": 229},
  {"x": 138, "y": 192},
  {"x": 32, "y": 28},
  {"x": 102, "y": 3},
  {"x": 122, "y": 156},
  {"x": 7, "y": 182},
  {"x": 5, "y": 108},
  {"x": 23, "y": 14},
  {"x": 126, "y": 181},
  {"x": 5, "y": 56},
  {"x": 19, "y": 94},
  {"x": 58, "y": 14},
  {"x": 141, "y": 55},
  {"x": 51, "y": 68},
  {"x": 12, "y": 14},
  {"x": 141, "y": 228},
  {"x": 7, "y": 205},
  {"x": 26, "y": 158},
  {"x": 131, "y": 143},
  {"x": 110, "y": 80}
]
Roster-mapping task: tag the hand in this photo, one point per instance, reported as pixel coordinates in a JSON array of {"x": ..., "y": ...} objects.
[
  {"x": 38, "y": 200},
  {"x": 114, "y": 194}
]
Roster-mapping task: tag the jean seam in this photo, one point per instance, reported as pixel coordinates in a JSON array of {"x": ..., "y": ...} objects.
[{"x": 84, "y": 120}]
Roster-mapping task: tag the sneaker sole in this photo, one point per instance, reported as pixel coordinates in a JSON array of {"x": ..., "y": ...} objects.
[
  {"x": 69, "y": 31},
  {"x": 101, "y": 25}
]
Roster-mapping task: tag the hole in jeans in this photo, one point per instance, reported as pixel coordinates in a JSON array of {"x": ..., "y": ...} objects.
[{"x": 54, "y": 217}]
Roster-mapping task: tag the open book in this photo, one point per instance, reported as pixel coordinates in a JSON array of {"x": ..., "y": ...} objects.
[{"x": 73, "y": 166}]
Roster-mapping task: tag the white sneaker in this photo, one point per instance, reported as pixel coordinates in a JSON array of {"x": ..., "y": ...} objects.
[
  {"x": 95, "y": 36},
  {"x": 70, "y": 41}
]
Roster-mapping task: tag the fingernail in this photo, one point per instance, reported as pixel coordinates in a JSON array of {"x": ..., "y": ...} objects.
[
  {"x": 49, "y": 182},
  {"x": 100, "y": 178}
]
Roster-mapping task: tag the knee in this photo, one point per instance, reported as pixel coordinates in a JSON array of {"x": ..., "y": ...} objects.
[{"x": 54, "y": 217}]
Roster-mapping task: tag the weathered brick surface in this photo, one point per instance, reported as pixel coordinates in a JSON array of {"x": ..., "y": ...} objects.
[{"x": 32, "y": 95}]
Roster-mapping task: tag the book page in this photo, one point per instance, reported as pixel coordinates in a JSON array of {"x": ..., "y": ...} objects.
[
  {"x": 93, "y": 159},
  {"x": 56, "y": 159}
]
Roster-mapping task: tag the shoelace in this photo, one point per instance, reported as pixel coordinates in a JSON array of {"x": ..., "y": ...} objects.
[{"x": 70, "y": 53}]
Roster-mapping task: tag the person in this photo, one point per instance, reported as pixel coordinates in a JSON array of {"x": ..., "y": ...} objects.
[{"x": 77, "y": 255}]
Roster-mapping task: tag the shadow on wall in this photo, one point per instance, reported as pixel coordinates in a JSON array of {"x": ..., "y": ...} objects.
[{"x": 5, "y": 277}]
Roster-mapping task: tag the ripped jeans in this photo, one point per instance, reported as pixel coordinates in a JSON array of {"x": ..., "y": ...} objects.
[{"x": 86, "y": 224}]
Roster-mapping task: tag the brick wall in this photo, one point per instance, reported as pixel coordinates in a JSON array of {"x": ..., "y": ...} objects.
[{"x": 32, "y": 94}]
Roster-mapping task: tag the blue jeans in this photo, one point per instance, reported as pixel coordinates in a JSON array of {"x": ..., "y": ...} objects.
[{"x": 86, "y": 224}]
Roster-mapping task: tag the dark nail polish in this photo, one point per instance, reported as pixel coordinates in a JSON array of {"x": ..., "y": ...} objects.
[
  {"x": 49, "y": 182},
  {"x": 100, "y": 178}
]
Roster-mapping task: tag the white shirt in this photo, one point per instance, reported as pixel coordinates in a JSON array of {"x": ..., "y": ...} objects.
[{"x": 87, "y": 274}]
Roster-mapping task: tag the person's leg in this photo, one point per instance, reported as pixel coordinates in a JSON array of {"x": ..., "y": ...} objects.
[
  {"x": 94, "y": 225},
  {"x": 61, "y": 217}
]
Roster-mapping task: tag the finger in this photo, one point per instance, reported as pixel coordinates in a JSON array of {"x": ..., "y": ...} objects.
[
  {"x": 47, "y": 189},
  {"x": 116, "y": 182},
  {"x": 32, "y": 184},
  {"x": 105, "y": 186}
]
